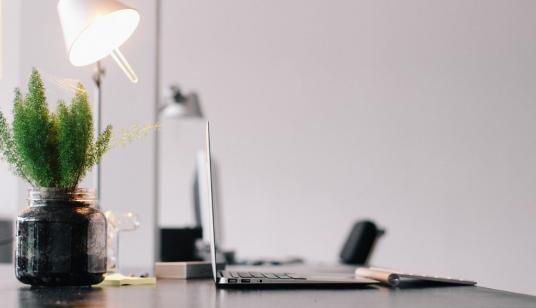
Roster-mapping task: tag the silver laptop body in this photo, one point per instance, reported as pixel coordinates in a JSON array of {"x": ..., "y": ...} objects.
[{"x": 229, "y": 278}]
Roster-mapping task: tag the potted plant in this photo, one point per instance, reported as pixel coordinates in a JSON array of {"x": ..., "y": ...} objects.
[{"x": 61, "y": 235}]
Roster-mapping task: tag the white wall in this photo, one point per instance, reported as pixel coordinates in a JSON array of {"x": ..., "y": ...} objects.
[
  {"x": 417, "y": 114},
  {"x": 127, "y": 174},
  {"x": 10, "y": 37}
]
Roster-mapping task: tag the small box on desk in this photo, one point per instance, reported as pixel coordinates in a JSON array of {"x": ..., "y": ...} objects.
[
  {"x": 178, "y": 244},
  {"x": 186, "y": 270}
]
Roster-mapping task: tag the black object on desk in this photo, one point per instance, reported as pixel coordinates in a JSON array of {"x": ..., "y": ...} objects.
[
  {"x": 178, "y": 244},
  {"x": 360, "y": 243}
]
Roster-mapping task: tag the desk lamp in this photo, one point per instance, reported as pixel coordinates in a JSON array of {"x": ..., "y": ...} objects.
[
  {"x": 93, "y": 29},
  {"x": 180, "y": 106}
]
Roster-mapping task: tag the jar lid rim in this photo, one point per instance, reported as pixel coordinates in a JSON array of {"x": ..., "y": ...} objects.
[
  {"x": 40, "y": 193},
  {"x": 55, "y": 189}
]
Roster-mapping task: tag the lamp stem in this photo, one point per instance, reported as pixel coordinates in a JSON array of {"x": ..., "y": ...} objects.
[
  {"x": 124, "y": 65},
  {"x": 97, "y": 78}
]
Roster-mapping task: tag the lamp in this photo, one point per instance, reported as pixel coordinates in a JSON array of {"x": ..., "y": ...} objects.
[
  {"x": 93, "y": 29},
  {"x": 175, "y": 105},
  {"x": 180, "y": 106}
]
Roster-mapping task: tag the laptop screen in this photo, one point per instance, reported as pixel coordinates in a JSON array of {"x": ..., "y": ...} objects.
[{"x": 211, "y": 203}]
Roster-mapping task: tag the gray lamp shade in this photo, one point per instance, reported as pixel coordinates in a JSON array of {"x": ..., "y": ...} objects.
[
  {"x": 188, "y": 107},
  {"x": 94, "y": 28}
]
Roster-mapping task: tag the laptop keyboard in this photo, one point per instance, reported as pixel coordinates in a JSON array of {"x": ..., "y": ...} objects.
[{"x": 265, "y": 275}]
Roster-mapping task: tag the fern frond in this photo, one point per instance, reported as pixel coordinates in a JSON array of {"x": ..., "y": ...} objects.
[
  {"x": 8, "y": 147},
  {"x": 103, "y": 144},
  {"x": 31, "y": 130},
  {"x": 75, "y": 134},
  {"x": 136, "y": 133},
  {"x": 83, "y": 130}
]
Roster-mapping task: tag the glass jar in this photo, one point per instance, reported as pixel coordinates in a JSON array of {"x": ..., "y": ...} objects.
[{"x": 61, "y": 239}]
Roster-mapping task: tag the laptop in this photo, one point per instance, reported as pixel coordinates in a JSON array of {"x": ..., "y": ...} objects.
[{"x": 230, "y": 278}]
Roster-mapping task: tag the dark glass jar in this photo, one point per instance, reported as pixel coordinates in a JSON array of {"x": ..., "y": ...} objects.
[{"x": 61, "y": 239}]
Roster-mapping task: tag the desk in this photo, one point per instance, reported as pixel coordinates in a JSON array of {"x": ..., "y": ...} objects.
[{"x": 202, "y": 293}]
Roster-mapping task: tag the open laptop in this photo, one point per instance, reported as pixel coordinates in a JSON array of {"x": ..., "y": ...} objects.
[{"x": 230, "y": 278}]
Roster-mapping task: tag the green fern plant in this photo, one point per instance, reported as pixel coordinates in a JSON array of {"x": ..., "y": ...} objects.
[{"x": 56, "y": 149}]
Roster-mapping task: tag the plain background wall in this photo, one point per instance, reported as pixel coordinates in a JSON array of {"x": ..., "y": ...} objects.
[
  {"x": 10, "y": 76},
  {"x": 417, "y": 114}
]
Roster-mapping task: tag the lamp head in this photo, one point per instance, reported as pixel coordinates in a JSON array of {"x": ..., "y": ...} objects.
[
  {"x": 180, "y": 106},
  {"x": 94, "y": 28}
]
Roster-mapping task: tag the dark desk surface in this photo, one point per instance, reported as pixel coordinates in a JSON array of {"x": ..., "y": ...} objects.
[{"x": 202, "y": 293}]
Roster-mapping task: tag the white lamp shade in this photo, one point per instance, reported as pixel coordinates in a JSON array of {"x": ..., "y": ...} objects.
[{"x": 94, "y": 28}]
